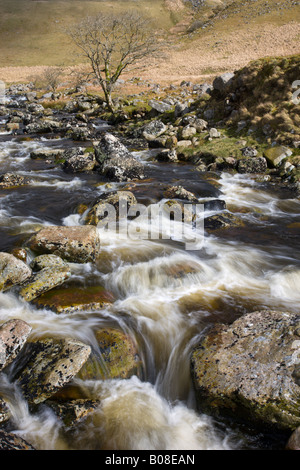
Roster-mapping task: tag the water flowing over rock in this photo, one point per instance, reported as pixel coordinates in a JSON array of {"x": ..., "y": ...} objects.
[
  {"x": 13, "y": 336},
  {"x": 247, "y": 369},
  {"x": 50, "y": 364},
  {"x": 118, "y": 357},
  {"x": 12, "y": 271},
  {"x": 115, "y": 160},
  {"x": 79, "y": 244},
  {"x": 73, "y": 411},
  {"x": 102, "y": 209}
]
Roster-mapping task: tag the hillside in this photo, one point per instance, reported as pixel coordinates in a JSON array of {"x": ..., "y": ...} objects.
[{"x": 204, "y": 41}]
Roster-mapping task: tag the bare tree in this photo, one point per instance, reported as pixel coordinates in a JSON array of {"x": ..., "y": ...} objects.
[
  {"x": 112, "y": 44},
  {"x": 52, "y": 77}
]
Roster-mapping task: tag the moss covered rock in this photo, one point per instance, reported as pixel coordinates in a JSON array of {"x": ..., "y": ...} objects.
[
  {"x": 117, "y": 357},
  {"x": 74, "y": 299}
]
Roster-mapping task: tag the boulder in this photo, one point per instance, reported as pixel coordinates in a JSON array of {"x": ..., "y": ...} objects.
[
  {"x": 45, "y": 154},
  {"x": 49, "y": 365},
  {"x": 294, "y": 441},
  {"x": 44, "y": 126},
  {"x": 154, "y": 129},
  {"x": 249, "y": 370},
  {"x": 160, "y": 106},
  {"x": 115, "y": 160},
  {"x": 10, "y": 441},
  {"x": 275, "y": 155},
  {"x": 252, "y": 165},
  {"x": 167, "y": 155},
  {"x": 178, "y": 192},
  {"x": 223, "y": 82},
  {"x": 13, "y": 336},
  {"x": 188, "y": 132},
  {"x": 43, "y": 281},
  {"x": 222, "y": 221},
  {"x": 12, "y": 271},
  {"x": 108, "y": 205},
  {"x": 214, "y": 133},
  {"x": 249, "y": 152},
  {"x": 78, "y": 163},
  {"x": 5, "y": 412},
  {"x": 79, "y": 244},
  {"x": 75, "y": 299}
]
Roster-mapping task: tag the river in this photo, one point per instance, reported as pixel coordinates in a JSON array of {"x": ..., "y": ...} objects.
[{"x": 235, "y": 271}]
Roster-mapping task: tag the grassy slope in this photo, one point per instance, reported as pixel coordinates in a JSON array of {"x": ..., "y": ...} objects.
[
  {"x": 31, "y": 31},
  {"x": 234, "y": 32}
]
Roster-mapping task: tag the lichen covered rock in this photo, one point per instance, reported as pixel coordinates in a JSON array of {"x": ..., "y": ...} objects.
[
  {"x": 249, "y": 369},
  {"x": 49, "y": 365},
  {"x": 79, "y": 244},
  {"x": 13, "y": 271}
]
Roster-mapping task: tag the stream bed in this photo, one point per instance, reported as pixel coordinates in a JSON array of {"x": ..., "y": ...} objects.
[{"x": 235, "y": 271}]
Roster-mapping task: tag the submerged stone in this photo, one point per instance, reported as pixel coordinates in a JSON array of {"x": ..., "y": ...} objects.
[{"x": 73, "y": 411}]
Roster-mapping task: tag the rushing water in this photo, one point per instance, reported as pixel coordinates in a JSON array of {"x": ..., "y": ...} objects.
[{"x": 241, "y": 270}]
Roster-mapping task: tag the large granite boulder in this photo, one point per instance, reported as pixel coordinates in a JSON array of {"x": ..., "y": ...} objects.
[
  {"x": 79, "y": 244},
  {"x": 250, "y": 369}
]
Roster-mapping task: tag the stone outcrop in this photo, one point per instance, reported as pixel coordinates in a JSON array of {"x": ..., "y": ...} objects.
[{"x": 250, "y": 369}]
